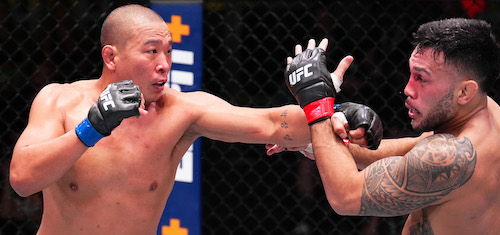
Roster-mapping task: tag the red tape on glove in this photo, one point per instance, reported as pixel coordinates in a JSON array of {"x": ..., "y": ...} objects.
[{"x": 319, "y": 110}]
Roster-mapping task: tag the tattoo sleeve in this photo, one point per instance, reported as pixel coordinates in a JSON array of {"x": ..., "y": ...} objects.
[{"x": 436, "y": 166}]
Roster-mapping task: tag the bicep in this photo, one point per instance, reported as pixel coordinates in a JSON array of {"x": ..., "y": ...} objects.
[{"x": 430, "y": 171}]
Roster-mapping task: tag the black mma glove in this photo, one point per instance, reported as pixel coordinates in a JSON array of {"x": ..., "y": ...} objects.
[
  {"x": 118, "y": 101},
  {"x": 359, "y": 115},
  {"x": 308, "y": 79}
]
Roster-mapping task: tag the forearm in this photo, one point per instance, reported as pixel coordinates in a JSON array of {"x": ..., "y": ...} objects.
[
  {"x": 36, "y": 166},
  {"x": 290, "y": 127},
  {"x": 387, "y": 148},
  {"x": 341, "y": 180}
]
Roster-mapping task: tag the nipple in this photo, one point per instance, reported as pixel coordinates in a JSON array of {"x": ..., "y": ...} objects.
[
  {"x": 153, "y": 186},
  {"x": 73, "y": 186}
]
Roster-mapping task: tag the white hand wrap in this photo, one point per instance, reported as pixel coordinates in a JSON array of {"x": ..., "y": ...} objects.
[
  {"x": 336, "y": 82},
  {"x": 308, "y": 152},
  {"x": 341, "y": 117}
]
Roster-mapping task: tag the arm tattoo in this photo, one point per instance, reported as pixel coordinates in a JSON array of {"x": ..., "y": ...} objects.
[
  {"x": 284, "y": 125},
  {"x": 436, "y": 166},
  {"x": 284, "y": 114}
]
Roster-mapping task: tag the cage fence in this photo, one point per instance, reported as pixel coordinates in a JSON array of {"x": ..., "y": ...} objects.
[{"x": 245, "y": 46}]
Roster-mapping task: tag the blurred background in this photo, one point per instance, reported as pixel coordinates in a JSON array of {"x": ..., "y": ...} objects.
[{"x": 245, "y": 46}]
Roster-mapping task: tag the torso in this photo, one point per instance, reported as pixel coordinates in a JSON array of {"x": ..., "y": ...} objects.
[
  {"x": 121, "y": 185},
  {"x": 472, "y": 208}
]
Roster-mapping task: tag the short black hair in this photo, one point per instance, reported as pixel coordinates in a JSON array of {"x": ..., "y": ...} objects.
[{"x": 469, "y": 44}]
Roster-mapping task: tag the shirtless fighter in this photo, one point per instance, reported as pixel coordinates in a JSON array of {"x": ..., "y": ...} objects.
[
  {"x": 105, "y": 161},
  {"x": 449, "y": 182}
]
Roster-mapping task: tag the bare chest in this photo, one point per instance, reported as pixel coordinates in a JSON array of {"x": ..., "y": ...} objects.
[
  {"x": 470, "y": 209},
  {"x": 140, "y": 156}
]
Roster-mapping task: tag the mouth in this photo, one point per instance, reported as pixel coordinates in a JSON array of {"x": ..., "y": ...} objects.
[
  {"x": 412, "y": 112},
  {"x": 160, "y": 83}
]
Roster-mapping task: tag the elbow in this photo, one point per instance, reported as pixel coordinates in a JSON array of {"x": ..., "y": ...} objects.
[
  {"x": 344, "y": 205},
  {"x": 22, "y": 176},
  {"x": 21, "y": 184}
]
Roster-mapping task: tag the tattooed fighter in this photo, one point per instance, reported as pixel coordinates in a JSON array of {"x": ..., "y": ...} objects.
[{"x": 449, "y": 182}]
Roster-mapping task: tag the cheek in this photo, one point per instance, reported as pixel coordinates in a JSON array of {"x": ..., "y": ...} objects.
[
  {"x": 139, "y": 68},
  {"x": 437, "y": 100}
]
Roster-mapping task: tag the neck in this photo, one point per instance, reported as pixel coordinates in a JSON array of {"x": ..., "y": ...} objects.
[
  {"x": 105, "y": 79},
  {"x": 463, "y": 115}
]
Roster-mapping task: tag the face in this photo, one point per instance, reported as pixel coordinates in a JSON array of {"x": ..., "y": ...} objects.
[
  {"x": 429, "y": 91},
  {"x": 146, "y": 59}
]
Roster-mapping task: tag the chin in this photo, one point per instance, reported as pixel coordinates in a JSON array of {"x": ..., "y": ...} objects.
[
  {"x": 424, "y": 127},
  {"x": 417, "y": 126},
  {"x": 153, "y": 98}
]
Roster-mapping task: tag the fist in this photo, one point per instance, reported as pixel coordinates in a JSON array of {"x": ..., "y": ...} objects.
[
  {"x": 118, "y": 101},
  {"x": 359, "y": 115}
]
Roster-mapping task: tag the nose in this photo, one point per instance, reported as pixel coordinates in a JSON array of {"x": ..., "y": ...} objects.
[
  {"x": 161, "y": 69},
  {"x": 164, "y": 64},
  {"x": 409, "y": 91}
]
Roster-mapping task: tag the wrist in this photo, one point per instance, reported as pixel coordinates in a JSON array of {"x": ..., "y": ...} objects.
[
  {"x": 87, "y": 133},
  {"x": 319, "y": 110}
]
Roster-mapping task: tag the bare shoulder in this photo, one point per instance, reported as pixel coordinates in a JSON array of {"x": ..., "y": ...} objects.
[
  {"x": 430, "y": 171},
  {"x": 196, "y": 102},
  {"x": 492, "y": 104},
  {"x": 62, "y": 94},
  {"x": 451, "y": 160},
  {"x": 51, "y": 94},
  {"x": 202, "y": 98},
  {"x": 494, "y": 109},
  {"x": 50, "y": 109},
  {"x": 441, "y": 141}
]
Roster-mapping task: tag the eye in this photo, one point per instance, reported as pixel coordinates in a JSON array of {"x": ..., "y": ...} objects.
[
  {"x": 421, "y": 79},
  {"x": 154, "y": 51},
  {"x": 169, "y": 51}
]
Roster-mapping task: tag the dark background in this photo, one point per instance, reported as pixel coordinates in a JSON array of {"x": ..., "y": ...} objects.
[{"x": 245, "y": 46}]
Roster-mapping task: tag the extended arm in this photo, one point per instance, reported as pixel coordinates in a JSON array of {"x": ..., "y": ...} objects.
[
  {"x": 361, "y": 155},
  {"x": 285, "y": 126},
  {"x": 219, "y": 120},
  {"x": 394, "y": 185},
  {"x": 387, "y": 148}
]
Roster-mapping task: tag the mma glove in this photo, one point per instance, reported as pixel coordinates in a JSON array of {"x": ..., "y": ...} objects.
[
  {"x": 358, "y": 115},
  {"x": 118, "y": 101},
  {"x": 308, "y": 79}
]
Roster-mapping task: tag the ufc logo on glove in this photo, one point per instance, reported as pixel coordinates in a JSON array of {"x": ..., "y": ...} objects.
[
  {"x": 108, "y": 100},
  {"x": 294, "y": 77},
  {"x": 309, "y": 81}
]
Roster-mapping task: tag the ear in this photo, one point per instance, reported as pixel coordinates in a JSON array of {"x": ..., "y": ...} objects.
[
  {"x": 468, "y": 91},
  {"x": 108, "y": 55}
]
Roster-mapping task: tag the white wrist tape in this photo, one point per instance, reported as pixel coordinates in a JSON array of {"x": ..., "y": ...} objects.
[
  {"x": 336, "y": 82},
  {"x": 341, "y": 117},
  {"x": 308, "y": 152}
]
